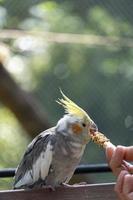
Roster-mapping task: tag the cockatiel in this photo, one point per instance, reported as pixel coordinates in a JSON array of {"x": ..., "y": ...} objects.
[{"x": 51, "y": 158}]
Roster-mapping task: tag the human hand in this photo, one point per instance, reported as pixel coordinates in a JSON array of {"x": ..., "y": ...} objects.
[
  {"x": 116, "y": 157},
  {"x": 124, "y": 184}
]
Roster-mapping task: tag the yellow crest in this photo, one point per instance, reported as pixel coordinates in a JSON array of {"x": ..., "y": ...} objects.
[{"x": 71, "y": 108}]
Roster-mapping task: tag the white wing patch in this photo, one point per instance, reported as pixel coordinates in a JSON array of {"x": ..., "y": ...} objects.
[
  {"x": 40, "y": 168},
  {"x": 26, "y": 180},
  {"x": 42, "y": 164}
]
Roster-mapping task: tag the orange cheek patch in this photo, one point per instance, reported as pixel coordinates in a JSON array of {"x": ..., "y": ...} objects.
[{"x": 76, "y": 128}]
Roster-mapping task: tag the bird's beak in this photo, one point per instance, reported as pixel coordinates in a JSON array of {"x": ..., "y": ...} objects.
[{"x": 93, "y": 129}]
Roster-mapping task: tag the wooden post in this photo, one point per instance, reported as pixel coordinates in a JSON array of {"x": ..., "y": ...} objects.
[{"x": 76, "y": 192}]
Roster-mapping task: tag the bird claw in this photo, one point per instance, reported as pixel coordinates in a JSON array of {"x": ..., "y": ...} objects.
[{"x": 51, "y": 188}]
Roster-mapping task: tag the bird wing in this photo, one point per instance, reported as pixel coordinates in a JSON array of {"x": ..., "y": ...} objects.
[{"x": 36, "y": 161}]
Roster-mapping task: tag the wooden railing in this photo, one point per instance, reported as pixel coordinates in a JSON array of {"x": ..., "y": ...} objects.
[{"x": 76, "y": 192}]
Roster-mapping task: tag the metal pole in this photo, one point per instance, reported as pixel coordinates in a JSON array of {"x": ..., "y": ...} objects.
[{"x": 81, "y": 169}]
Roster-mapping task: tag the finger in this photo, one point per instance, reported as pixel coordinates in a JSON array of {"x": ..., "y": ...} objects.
[
  {"x": 119, "y": 185},
  {"x": 130, "y": 169},
  {"x": 120, "y": 181},
  {"x": 130, "y": 196},
  {"x": 128, "y": 184},
  {"x": 109, "y": 152},
  {"x": 117, "y": 159},
  {"x": 127, "y": 166},
  {"x": 128, "y": 153}
]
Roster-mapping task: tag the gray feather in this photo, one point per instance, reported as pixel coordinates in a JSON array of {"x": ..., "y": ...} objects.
[{"x": 32, "y": 153}]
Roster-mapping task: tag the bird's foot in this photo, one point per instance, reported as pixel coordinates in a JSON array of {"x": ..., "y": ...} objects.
[{"x": 50, "y": 187}]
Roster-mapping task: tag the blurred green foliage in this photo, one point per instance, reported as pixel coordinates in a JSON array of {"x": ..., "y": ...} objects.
[
  {"x": 98, "y": 78},
  {"x": 13, "y": 142}
]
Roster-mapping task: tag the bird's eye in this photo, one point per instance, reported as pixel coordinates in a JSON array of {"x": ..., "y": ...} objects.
[{"x": 83, "y": 124}]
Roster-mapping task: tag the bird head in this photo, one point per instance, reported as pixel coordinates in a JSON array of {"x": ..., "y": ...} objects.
[{"x": 76, "y": 122}]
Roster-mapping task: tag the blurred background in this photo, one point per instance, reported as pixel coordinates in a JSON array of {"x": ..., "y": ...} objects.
[{"x": 84, "y": 47}]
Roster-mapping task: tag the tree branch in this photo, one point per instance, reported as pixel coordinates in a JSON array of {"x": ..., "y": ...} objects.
[{"x": 26, "y": 108}]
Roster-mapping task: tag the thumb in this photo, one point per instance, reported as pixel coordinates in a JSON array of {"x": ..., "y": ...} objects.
[{"x": 109, "y": 152}]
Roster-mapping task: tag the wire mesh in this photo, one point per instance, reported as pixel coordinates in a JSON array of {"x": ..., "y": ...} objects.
[{"x": 84, "y": 47}]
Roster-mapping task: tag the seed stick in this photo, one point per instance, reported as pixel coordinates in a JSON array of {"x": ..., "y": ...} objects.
[{"x": 101, "y": 140}]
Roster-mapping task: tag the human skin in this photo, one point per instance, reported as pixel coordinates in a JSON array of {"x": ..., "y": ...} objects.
[{"x": 123, "y": 170}]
